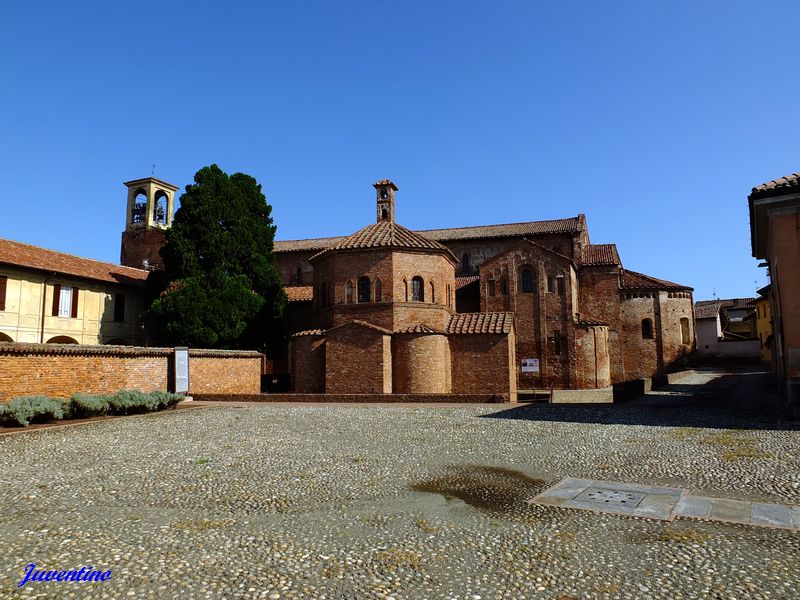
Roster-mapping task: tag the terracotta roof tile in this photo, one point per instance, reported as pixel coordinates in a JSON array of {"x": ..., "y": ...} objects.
[
  {"x": 26, "y": 256},
  {"x": 706, "y": 310},
  {"x": 570, "y": 225},
  {"x": 384, "y": 234},
  {"x": 418, "y": 328},
  {"x": 486, "y": 322},
  {"x": 631, "y": 280},
  {"x": 728, "y": 302},
  {"x": 299, "y": 293},
  {"x": 600, "y": 254},
  {"x": 309, "y": 332},
  {"x": 361, "y": 323},
  {"x": 776, "y": 187},
  {"x": 462, "y": 282}
]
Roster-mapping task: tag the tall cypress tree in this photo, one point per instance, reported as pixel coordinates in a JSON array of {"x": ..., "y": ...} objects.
[{"x": 219, "y": 287}]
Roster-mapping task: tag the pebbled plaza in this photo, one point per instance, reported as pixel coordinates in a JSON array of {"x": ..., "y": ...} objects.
[{"x": 281, "y": 501}]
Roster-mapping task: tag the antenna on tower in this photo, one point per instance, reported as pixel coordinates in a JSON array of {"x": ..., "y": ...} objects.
[
  {"x": 153, "y": 172},
  {"x": 714, "y": 293}
]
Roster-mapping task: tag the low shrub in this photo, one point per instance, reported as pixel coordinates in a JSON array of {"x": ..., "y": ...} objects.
[
  {"x": 33, "y": 409},
  {"x": 40, "y": 409},
  {"x": 129, "y": 402},
  {"x": 83, "y": 406}
]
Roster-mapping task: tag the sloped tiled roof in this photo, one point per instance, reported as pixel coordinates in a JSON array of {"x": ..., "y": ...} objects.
[
  {"x": 385, "y": 234},
  {"x": 418, "y": 328},
  {"x": 309, "y": 332},
  {"x": 708, "y": 309},
  {"x": 631, "y": 280},
  {"x": 299, "y": 293},
  {"x": 728, "y": 302},
  {"x": 570, "y": 225},
  {"x": 600, "y": 254},
  {"x": 462, "y": 282},
  {"x": 776, "y": 187},
  {"x": 484, "y": 322},
  {"x": 361, "y": 323},
  {"x": 26, "y": 256}
]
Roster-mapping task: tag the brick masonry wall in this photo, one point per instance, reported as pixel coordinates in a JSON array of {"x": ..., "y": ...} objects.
[
  {"x": 357, "y": 361},
  {"x": 210, "y": 374},
  {"x": 140, "y": 245},
  {"x": 308, "y": 364},
  {"x": 599, "y": 300},
  {"x": 592, "y": 357},
  {"x": 481, "y": 364},
  {"x": 640, "y": 355},
  {"x": 421, "y": 364},
  {"x": 60, "y": 371},
  {"x": 61, "y": 376}
]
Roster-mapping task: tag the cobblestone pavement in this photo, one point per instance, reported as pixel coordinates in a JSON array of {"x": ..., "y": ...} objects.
[{"x": 350, "y": 502}]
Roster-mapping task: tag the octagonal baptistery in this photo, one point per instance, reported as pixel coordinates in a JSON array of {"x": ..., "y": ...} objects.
[
  {"x": 385, "y": 275},
  {"x": 383, "y": 281}
]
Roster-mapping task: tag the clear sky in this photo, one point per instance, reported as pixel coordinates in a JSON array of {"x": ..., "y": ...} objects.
[{"x": 655, "y": 119}]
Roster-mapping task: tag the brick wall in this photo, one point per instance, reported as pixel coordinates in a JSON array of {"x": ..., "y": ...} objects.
[
  {"x": 483, "y": 364},
  {"x": 140, "y": 245},
  {"x": 421, "y": 364},
  {"x": 61, "y": 370},
  {"x": 358, "y": 360},
  {"x": 593, "y": 367},
  {"x": 308, "y": 364}
]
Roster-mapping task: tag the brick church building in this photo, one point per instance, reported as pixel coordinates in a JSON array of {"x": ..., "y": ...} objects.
[{"x": 486, "y": 309}]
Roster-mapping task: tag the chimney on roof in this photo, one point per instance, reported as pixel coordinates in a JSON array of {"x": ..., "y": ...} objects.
[{"x": 385, "y": 190}]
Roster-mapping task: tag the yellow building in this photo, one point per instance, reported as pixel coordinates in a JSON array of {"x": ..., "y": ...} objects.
[
  {"x": 48, "y": 296},
  {"x": 764, "y": 325}
]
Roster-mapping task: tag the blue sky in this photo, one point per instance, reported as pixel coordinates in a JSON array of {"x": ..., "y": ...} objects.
[{"x": 654, "y": 119}]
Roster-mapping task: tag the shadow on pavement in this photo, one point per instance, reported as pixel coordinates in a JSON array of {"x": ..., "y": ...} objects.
[{"x": 738, "y": 399}]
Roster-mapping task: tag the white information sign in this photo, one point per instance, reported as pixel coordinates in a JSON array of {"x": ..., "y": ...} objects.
[
  {"x": 530, "y": 365},
  {"x": 181, "y": 370}
]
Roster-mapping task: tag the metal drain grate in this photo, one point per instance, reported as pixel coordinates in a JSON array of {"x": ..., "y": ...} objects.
[{"x": 604, "y": 496}]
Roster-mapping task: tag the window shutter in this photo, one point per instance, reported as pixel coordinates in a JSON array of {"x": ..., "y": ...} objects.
[
  {"x": 3, "y": 280},
  {"x": 56, "y": 298},
  {"x": 74, "y": 303}
]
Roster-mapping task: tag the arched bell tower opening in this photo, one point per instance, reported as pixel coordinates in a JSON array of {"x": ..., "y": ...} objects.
[
  {"x": 151, "y": 205},
  {"x": 385, "y": 190}
]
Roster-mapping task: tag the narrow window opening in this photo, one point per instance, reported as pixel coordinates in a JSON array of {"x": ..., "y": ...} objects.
[
  {"x": 647, "y": 329},
  {"x": 490, "y": 286},
  {"x": 526, "y": 281},
  {"x": 119, "y": 308},
  {"x": 348, "y": 292},
  {"x": 417, "y": 289},
  {"x": 551, "y": 283},
  {"x": 465, "y": 266},
  {"x": 298, "y": 276},
  {"x": 364, "y": 289},
  {"x": 560, "y": 285}
]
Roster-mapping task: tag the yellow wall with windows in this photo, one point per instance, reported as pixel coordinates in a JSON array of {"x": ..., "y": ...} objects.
[
  {"x": 764, "y": 328},
  {"x": 22, "y": 319}
]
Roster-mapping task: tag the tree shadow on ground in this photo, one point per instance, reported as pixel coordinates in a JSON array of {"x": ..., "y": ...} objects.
[{"x": 739, "y": 398}]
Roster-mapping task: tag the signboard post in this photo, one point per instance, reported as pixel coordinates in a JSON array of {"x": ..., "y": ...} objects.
[
  {"x": 530, "y": 365},
  {"x": 181, "y": 366}
]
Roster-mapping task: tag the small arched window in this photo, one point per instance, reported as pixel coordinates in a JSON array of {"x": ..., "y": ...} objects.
[
  {"x": 405, "y": 290},
  {"x": 378, "y": 290},
  {"x": 417, "y": 289},
  {"x": 348, "y": 292},
  {"x": 364, "y": 289},
  {"x": 433, "y": 293},
  {"x": 647, "y": 329},
  {"x": 490, "y": 287},
  {"x": 685, "y": 338},
  {"x": 298, "y": 275},
  {"x": 504, "y": 286},
  {"x": 526, "y": 281},
  {"x": 323, "y": 294},
  {"x": 465, "y": 267}
]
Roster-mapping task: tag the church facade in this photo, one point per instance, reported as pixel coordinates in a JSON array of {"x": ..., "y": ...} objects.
[{"x": 573, "y": 317}]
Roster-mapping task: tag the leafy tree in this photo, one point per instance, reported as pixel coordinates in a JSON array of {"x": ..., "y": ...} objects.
[{"x": 219, "y": 287}]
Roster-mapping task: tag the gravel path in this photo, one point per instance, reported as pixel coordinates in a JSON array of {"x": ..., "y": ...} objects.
[{"x": 351, "y": 502}]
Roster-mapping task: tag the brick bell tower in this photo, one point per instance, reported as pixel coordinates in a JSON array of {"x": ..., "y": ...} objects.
[
  {"x": 151, "y": 204},
  {"x": 385, "y": 190}
]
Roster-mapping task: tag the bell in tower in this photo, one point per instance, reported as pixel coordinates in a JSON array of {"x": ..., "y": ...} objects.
[
  {"x": 151, "y": 204},
  {"x": 386, "y": 190}
]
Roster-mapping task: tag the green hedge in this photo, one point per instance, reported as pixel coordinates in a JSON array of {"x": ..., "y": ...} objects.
[{"x": 40, "y": 409}]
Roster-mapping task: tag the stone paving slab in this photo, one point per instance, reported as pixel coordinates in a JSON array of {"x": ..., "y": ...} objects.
[{"x": 664, "y": 503}]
